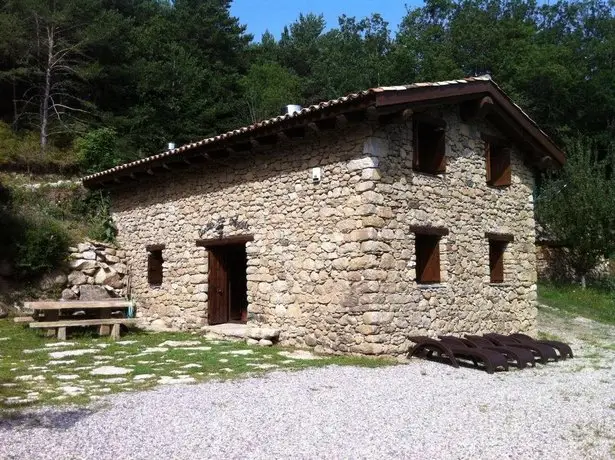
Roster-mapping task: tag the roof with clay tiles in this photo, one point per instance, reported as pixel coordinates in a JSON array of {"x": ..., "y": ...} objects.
[{"x": 379, "y": 96}]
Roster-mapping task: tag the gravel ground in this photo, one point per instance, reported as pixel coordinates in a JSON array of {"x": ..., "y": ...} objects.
[{"x": 418, "y": 410}]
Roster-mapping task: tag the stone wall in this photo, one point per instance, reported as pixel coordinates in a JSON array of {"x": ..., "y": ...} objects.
[
  {"x": 553, "y": 264},
  {"x": 98, "y": 270},
  {"x": 332, "y": 263}
]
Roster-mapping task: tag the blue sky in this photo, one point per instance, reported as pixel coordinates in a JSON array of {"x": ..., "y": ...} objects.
[{"x": 260, "y": 15}]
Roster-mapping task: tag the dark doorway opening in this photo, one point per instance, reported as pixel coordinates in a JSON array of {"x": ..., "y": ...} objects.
[{"x": 228, "y": 293}]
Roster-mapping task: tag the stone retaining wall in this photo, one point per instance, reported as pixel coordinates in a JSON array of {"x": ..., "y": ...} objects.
[
  {"x": 98, "y": 270},
  {"x": 332, "y": 264}
]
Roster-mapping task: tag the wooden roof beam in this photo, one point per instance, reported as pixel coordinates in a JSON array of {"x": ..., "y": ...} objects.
[{"x": 476, "y": 109}]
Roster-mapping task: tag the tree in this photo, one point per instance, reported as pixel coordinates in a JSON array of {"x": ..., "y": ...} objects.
[
  {"x": 577, "y": 207},
  {"x": 268, "y": 87},
  {"x": 54, "y": 64}
]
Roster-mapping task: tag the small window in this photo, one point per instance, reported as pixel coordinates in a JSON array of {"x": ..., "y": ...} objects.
[
  {"x": 427, "y": 258},
  {"x": 429, "y": 147},
  {"x": 154, "y": 266},
  {"x": 496, "y": 260},
  {"x": 498, "y": 164}
]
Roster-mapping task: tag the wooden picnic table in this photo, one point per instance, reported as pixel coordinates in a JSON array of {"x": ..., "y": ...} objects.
[{"x": 57, "y": 316}]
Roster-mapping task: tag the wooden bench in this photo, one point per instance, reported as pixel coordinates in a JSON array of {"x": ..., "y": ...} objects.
[
  {"x": 47, "y": 315},
  {"x": 23, "y": 319},
  {"x": 61, "y": 326}
]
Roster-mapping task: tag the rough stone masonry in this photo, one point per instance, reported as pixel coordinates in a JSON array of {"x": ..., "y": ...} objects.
[{"x": 332, "y": 264}]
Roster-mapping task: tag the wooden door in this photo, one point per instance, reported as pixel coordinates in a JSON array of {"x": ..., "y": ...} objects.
[{"x": 218, "y": 295}]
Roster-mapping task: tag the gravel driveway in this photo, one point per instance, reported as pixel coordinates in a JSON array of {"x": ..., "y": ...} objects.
[{"x": 418, "y": 410}]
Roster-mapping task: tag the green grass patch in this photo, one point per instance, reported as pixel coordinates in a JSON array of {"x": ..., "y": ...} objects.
[
  {"x": 34, "y": 373},
  {"x": 590, "y": 303}
]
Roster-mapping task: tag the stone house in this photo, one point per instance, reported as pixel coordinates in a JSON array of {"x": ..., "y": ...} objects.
[{"x": 347, "y": 225}]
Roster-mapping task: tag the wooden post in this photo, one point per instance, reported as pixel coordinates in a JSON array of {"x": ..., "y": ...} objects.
[
  {"x": 105, "y": 329},
  {"x": 61, "y": 333},
  {"x": 115, "y": 332}
]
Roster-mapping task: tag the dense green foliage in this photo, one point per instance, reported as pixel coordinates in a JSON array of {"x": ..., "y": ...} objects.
[
  {"x": 155, "y": 71},
  {"x": 577, "y": 207},
  {"x": 38, "y": 225}
]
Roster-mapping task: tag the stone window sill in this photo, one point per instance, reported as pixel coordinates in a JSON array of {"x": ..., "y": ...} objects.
[{"x": 432, "y": 286}]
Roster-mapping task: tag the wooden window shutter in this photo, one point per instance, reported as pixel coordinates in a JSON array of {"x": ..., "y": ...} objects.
[
  {"x": 428, "y": 258},
  {"x": 496, "y": 261},
  {"x": 504, "y": 172},
  {"x": 498, "y": 165},
  {"x": 440, "y": 153},
  {"x": 415, "y": 145}
]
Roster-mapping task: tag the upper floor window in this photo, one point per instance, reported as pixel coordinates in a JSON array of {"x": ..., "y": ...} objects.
[
  {"x": 497, "y": 156},
  {"x": 429, "y": 146}
]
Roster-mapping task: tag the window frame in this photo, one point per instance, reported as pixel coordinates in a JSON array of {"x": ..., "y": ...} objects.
[
  {"x": 428, "y": 261},
  {"x": 498, "y": 162},
  {"x": 498, "y": 245},
  {"x": 155, "y": 265},
  {"x": 435, "y": 163}
]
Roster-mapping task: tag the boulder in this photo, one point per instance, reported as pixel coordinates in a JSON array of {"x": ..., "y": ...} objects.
[
  {"x": 263, "y": 333},
  {"x": 82, "y": 264},
  {"x": 4, "y": 310},
  {"x": 68, "y": 294},
  {"x": 158, "y": 325},
  {"x": 83, "y": 247},
  {"x": 51, "y": 280},
  {"x": 89, "y": 292},
  {"x": 88, "y": 255},
  {"x": 77, "y": 278}
]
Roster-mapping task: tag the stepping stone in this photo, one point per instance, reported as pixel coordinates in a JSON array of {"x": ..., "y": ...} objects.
[
  {"x": 227, "y": 369},
  {"x": 167, "y": 380},
  {"x": 24, "y": 378},
  {"x": 237, "y": 352},
  {"x": 59, "y": 344},
  {"x": 71, "y": 391},
  {"x": 126, "y": 342},
  {"x": 67, "y": 377},
  {"x": 36, "y": 368},
  {"x": 67, "y": 353},
  {"x": 57, "y": 363},
  {"x": 180, "y": 343},
  {"x": 299, "y": 354},
  {"x": 288, "y": 361},
  {"x": 83, "y": 368},
  {"x": 2, "y": 339},
  {"x": 145, "y": 362},
  {"x": 8, "y": 385},
  {"x": 114, "y": 380},
  {"x": 102, "y": 345},
  {"x": 194, "y": 348},
  {"x": 262, "y": 366},
  {"x": 191, "y": 366},
  {"x": 110, "y": 370},
  {"x": 155, "y": 350},
  {"x": 34, "y": 350},
  {"x": 143, "y": 376}
]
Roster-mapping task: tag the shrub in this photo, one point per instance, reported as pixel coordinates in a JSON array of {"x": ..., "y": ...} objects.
[
  {"x": 41, "y": 246},
  {"x": 98, "y": 150}
]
